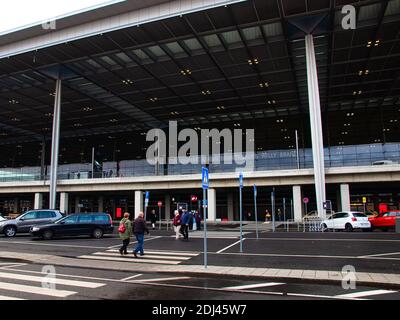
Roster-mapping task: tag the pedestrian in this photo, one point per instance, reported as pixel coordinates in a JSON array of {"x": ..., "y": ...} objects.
[
  {"x": 125, "y": 232},
  {"x": 279, "y": 215},
  {"x": 198, "y": 220},
  {"x": 185, "y": 219},
  {"x": 191, "y": 220},
  {"x": 177, "y": 224},
  {"x": 139, "y": 228},
  {"x": 267, "y": 215},
  {"x": 153, "y": 219}
]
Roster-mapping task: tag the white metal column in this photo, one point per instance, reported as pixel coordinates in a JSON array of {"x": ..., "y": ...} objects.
[
  {"x": 138, "y": 202},
  {"x": 167, "y": 207},
  {"x": 297, "y": 204},
  {"x": 212, "y": 205},
  {"x": 64, "y": 202},
  {"x": 55, "y": 145},
  {"x": 345, "y": 197},
  {"x": 316, "y": 125},
  {"x": 38, "y": 204}
]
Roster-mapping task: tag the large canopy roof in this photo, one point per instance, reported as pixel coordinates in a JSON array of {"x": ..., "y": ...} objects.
[{"x": 239, "y": 66}]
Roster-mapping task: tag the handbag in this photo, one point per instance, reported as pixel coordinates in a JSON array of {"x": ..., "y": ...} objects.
[{"x": 122, "y": 227}]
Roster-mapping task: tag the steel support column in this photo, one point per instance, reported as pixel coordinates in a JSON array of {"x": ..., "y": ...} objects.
[
  {"x": 316, "y": 125},
  {"x": 55, "y": 140}
]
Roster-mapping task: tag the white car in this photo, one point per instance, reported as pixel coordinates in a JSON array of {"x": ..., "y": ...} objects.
[{"x": 348, "y": 220}]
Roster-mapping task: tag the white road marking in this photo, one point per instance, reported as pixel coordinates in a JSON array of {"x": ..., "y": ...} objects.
[
  {"x": 33, "y": 243},
  {"x": 233, "y": 244},
  {"x": 65, "y": 282},
  {"x": 364, "y": 293},
  {"x": 131, "y": 277},
  {"x": 138, "y": 260},
  {"x": 257, "y": 285},
  {"x": 165, "y": 253},
  {"x": 9, "y": 298},
  {"x": 36, "y": 290},
  {"x": 163, "y": 279},
  {"x": 324, "y": 239},
  {"x": 379, "y": 255},
  {"x": 146, "y": 256}
]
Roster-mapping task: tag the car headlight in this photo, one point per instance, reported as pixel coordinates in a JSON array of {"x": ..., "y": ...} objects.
[{"x": 35, "y": 229}]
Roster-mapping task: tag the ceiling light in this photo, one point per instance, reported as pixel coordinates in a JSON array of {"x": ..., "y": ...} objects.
[
  {"x": 87, "y": 109},
  {"x": 264, "y": 85},
  {"x": 206, "y": 92},
  {"x": 13, "y": 101},
  {"x": 221, "y": 108},
  {"x": 153, "y": 99},
  {"x": 350, "y": 114},
  {"x": 77, "y": 125},
  {"x": 113, "y": 120},
  {"x": 15, "y": 119},
  {"x": 186, "y": 72},
  {"x": 253, "y": 61},
  {"x": 344, "y": 132},
  {"x": 127, "y": 82},
  {"x": 49, "y": 114},
  {"x": 279, "y": 121}
]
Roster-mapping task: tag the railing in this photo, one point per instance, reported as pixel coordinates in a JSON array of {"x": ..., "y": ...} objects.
[{"x": 339, "y": 156}]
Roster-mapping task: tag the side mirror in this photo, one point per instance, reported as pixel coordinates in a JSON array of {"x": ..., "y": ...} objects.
[{"x": 22, "y": 219}]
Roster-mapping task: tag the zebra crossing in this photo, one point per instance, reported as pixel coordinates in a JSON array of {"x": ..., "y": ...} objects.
[
  {"x": 16, "y": 285},
  {"x": 151, "y": 257}
]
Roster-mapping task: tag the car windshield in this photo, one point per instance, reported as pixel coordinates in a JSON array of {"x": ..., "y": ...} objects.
[
  {"x": 60, "y": 219},
  {"x": 359, "y": 215}
]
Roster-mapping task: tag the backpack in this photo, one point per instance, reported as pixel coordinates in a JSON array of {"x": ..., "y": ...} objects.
[{"x": 122, "y": 227}]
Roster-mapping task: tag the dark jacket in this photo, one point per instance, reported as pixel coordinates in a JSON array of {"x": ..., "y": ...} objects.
[
  {"x": 139, "y": 226},
  {"x": 186, "y": 218}
]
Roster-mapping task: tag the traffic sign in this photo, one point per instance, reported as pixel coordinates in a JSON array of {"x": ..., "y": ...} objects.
[
  {"x": 328, "y": 205},
  {"x": 255, "y": 190},
  {"x": 241, "y": 180},
  {"x": 204, "y": 178},
  {"x": 306, "y": 200},
  {"x": 159, "y": 203},
  {"x": 193, "y": 198},
  {"x": 364, "y": 200}
]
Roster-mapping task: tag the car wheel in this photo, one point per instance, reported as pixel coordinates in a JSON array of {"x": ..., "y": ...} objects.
[
  {"x": 48, "y": 235},
  {"x": 348, "y": 227},
  {"x": 97, "y": 233},
  {"x": 10, "y": 231}
]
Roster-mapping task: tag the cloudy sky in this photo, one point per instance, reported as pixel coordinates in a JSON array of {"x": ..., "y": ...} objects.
[{"x": 17, "y": 13}]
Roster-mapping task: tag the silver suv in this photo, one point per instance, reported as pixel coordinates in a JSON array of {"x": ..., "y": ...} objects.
[{"x": 24, "y": 222}]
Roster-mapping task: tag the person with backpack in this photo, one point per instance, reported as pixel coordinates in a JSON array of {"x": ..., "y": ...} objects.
[
  {"x": 185, "y": 221},
  {"x": 177, "y": 223},
  {"x": 125, "y": 233}
]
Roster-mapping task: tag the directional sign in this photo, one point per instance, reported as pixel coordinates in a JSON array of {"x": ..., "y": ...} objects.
[
  {"x": 328, "y": 205},
  {"x": 306, "y": 200},
  {"x": 146, "y": 198},
  {"x": 255, "y": 190},
  {"x": 204, "y": 178},
  {"x": 241, "y": 180}
]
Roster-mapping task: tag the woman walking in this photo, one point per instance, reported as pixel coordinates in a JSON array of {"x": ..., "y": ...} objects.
[
  {"x": 125, "y": 232},
  {"x": 177, "y": 223}
]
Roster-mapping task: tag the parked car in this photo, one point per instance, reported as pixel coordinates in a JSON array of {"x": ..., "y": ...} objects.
[
  {"x": 348, "y": 220},
  {"x": 2, "y": 218},
  {"x": 383, "y": 162},
  {"x": 24, "y": 222},
  {"x": 78, "y": 224},
  {"x": 385, "y": 220}
]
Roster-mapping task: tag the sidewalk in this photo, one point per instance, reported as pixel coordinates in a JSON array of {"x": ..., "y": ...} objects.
[{"x": 321, "y": 276}]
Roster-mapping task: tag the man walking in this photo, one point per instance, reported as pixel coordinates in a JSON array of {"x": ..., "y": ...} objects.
[
  {"x": 139, "y": 228},
  {"x": 185, "y": 220}
]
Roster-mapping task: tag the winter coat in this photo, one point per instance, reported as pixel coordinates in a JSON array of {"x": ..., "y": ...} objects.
[
  {"x": 128, "y": 229},
  {"x": 139, "y": 226}
]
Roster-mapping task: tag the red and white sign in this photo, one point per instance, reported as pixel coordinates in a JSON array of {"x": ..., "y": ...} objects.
[
  {"x": 306, "y": 200},
  {"x": 194, "y": 198},
  {"x": 159, "y": 203}
]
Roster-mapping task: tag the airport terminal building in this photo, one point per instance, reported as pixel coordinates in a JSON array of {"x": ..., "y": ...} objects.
[{"x": 317, "y": 80}]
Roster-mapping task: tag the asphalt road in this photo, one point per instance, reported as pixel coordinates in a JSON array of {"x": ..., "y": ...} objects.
[
  {"x": 27, "y": 281},
  {"x": 367, "y": 252}
]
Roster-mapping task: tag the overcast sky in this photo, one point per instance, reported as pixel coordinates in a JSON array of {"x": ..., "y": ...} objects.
[{"x": 18, "y": 13}]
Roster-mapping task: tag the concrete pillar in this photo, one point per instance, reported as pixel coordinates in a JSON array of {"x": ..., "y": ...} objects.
[
  {"x": 297, "y": 203},
  {"x": 344, "y": 197},
  {"x": 64, "y": 202},
  {"x": 77, "y": 208},
  {"x": 38, "y": 204},
  {"x": 16, "y": 205},
  {"x": 231, "y": 213},
  {"x": 212, "y": 205},
  {"x": 100, "y": 204},
  {"x": 316, "y": 125},
  {"x": 138, "y": 202},
  {"x": 167, "y": 207},
  {"x": 55, "y": 142}
]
